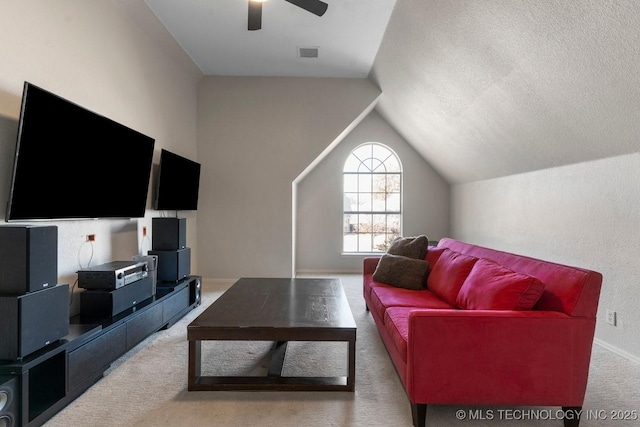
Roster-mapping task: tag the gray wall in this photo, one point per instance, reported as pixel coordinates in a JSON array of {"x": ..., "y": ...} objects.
[
  {"x": 320, "y": 200},
  {"x": 256, "y": 135},
  {"x": 584, "y": 215},
  {"x": 90, "y": 53}
]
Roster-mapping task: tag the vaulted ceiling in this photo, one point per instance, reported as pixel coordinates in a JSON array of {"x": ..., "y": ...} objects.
[{"x": 480, "y": 89}]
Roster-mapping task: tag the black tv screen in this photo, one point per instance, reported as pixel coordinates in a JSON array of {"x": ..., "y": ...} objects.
[
  {"x": 72, "y": 163},
  {"x": 177, "y": 183}
]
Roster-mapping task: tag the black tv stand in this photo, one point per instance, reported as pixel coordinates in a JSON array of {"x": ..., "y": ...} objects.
[{"x": 51, "y": 378}]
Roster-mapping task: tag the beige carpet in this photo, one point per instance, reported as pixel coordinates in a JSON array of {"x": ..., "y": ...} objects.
[{"x": 148, "y": 386}]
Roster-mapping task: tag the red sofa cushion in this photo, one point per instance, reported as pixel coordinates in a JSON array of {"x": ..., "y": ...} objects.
[
  {"x": 448, "y": 274},
  {"x": 491, "y": 286},
  {"x": 385, "y": 296}
]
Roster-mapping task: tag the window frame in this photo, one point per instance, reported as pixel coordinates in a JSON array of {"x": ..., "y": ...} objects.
[{"x": 371, "y": 168}]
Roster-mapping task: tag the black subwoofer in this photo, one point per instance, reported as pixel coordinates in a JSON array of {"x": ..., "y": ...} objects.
[
  {"x": 9, "y": 402},
  {"x": 29, "y": 257},
  {"x": 168, "y": 234},
  {"x": 173, "y": 265},
  {"x": 29, "y": 322}
]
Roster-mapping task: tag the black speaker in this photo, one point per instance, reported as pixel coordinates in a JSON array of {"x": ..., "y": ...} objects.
[
  {"x": 195, "y": 290},
  {"x": 105, "y": 303},
  {"x": 168, "y": 234},
  {"x": 29, "y": 257},
  {"x": 33, "y": 320},
  {"x": 9, "y": 402},
  {"x": 173, "y": 265}
]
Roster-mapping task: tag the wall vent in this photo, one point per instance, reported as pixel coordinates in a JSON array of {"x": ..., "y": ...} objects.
[{"x": 307, "y": 52}]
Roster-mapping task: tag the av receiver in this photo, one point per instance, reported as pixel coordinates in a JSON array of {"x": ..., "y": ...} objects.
[{"x": 112, "y": 275}]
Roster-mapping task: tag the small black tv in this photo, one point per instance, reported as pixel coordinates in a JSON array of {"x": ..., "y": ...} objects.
[
  {"x": 72, "y": 163},
  {"x": 177, "y": 184}
]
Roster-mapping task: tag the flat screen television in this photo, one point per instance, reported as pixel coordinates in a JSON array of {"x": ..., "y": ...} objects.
[
  {"x": 72, "y": 163},
  {"x": 177, "y": 184}
]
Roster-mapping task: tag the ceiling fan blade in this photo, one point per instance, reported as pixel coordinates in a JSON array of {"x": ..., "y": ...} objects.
[
  {"x": 314, "y": 6},
  {"x": 255, "y": 15}
]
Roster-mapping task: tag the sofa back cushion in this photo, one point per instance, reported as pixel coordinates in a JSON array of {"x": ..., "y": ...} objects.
[
  {"x": 448, "y": 274},
  {"x": 491, "y": 286},
  {"x": 570, "y": 290}
]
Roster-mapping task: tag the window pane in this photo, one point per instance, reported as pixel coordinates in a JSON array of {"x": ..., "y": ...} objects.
[
  {"x": 350, "y": 182},
  {"x": 352, "y": 164},
  {"x": 380, "y": 182},
  {"x": 393, "y": 182},
  {"x": 350, "y": 243},
  {"x": 364, "y": 202},
  {"x": 350, "y": 201},
  {"x": 364, "y": 183},
  {"x": 393, "y": 224},
  {"x": 379, "y": 202},
  {"x": 364, "y": 242},
  {"x": 379, "y": 223},
  {"x": 393, "y": 202},
  {"x": 380, "y": 243}
]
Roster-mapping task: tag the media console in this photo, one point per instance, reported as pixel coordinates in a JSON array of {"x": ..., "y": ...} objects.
[{"x": 46, "y": 381}]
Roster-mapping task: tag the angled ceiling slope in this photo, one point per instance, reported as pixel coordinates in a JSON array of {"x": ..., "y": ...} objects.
[{"x": 490, "y": 89}]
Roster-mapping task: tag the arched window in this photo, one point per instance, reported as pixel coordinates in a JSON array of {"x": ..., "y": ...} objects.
[{"x": 372, "y": 180}]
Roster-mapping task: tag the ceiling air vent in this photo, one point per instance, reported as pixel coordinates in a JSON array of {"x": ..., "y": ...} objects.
[{"x": 307, "y": 52}]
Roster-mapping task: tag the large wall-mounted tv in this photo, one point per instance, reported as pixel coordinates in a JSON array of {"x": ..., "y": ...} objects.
[
  {"x": 72, "y": 163},
  {"x": 178, "y": 183}
]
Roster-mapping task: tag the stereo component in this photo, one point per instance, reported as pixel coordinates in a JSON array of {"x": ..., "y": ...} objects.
[
  {"x": 33, "y": 320},
  {"x": 101, "y": 303},
  {"x": 112, "y": 275},
  {"x": 29, "y": 257}
]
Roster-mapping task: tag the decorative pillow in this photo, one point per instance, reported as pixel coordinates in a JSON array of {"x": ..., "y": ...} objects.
[
  {"x": 412, "y": 247},
  {"x": 491, "y": 286},
  {"x": 402, "y": 271},
  {"x": 448, "y": 274}
]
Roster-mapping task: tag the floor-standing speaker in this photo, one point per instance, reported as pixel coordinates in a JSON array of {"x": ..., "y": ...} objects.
[
  {"x": 168, "y": 234},
  {"x": 33, "y": 320},
  {"x": 29, "y": 257},
  {"x": 9, "y": 402},
  {"x": 173, "y": 265}
]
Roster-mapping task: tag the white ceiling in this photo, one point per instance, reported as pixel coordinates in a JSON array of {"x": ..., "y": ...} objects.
[{"x": 214, "y": 34}]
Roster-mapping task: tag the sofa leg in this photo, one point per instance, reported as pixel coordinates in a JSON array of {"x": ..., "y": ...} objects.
[
  {"x": 419, "y": 414},
  {"x": 571, "y": 415}
]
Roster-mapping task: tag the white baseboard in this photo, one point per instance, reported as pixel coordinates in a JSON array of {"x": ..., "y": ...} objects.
[{"x": 616, "y": 350}]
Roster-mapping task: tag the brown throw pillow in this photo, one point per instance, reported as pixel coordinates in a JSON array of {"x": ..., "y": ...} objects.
[
  {"x": 402, "y": 272},
  {"x": 412, "y": 247}
]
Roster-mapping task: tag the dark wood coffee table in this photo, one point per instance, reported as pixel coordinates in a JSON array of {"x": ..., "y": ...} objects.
[{"x": 279, "y": 310}]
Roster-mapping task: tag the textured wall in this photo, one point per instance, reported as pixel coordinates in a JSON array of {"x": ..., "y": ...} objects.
[
  {"x": 487, "y": 89},
  {"x": 584, "y": 215}
]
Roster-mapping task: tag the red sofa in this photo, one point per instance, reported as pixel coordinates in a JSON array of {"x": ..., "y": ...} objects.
[{"x": 491, "y": 328}]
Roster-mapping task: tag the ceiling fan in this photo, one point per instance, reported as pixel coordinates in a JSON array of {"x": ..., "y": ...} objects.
[{"x": 316, "y": 7}]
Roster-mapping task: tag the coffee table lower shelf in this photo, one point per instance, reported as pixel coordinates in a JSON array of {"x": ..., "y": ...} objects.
[{"x": 273, "y": 380}]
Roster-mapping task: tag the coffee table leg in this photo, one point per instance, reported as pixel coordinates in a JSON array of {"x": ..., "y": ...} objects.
[
  {"x": 351, "y": 379},
  {"x": 194, "y": 362}
]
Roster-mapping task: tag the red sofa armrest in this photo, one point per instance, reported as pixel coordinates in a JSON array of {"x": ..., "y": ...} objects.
[
  {"x": 370, "y": 264},
  {"x": 494, "y": 357}
]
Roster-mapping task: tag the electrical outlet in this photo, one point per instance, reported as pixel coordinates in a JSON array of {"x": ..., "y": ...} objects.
[
  {"x": 91, "y": 237},
  {"x": 611, "y": 317}
]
